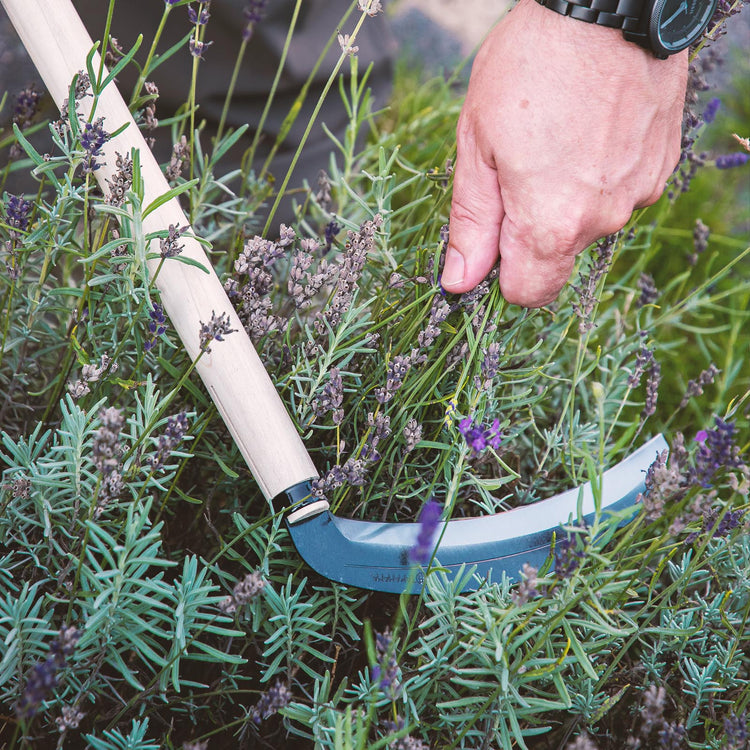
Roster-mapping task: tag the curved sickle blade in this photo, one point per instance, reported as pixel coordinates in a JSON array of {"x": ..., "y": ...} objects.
[{"x": 376, "y": 555}]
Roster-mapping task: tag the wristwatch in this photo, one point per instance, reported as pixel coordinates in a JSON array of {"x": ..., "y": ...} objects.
[{"x": 661, "y": 26}]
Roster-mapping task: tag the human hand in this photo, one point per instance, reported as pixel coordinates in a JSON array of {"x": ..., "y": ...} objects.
[{"x": 566, "y": 128}]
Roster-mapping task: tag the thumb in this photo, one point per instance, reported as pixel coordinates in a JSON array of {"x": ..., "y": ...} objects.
[
  {"x": 533, "y": 270},
  {"x": 476, "y": 213}
]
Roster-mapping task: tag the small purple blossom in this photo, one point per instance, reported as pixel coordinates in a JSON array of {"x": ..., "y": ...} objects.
[
  {"x": 197, "y": 48},
  {"x": 717, "y": 449},
  {"x": 198, "y": 17},
  {"x": 44, "y": 676},
  {"x": 17, "y": 214},
  {"x": 568, "y": 554},
  {"x": 709, "y": 113},
  {"x": 332, "y": 229},
  {"x": 478, "y": 437},
  {"x": 157, "y": 325},
  {"x": 174, "y": 432},
  {"x": 215, "y": 330},
  {"x": 27, "y": 103},
  {"x": 271, "y": 701},
  {"x": 253, "y": 13},
  {"x": 735, "y": 731},
  {"x": 386, "y": 671},
  {"x": 730, "y": 161},
  {"x": 429, "y": 520},
  {"x": 93, "y": 137}
]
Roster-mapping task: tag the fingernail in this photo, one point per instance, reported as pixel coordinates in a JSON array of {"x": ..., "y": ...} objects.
[{"x": 453, "y": 271}]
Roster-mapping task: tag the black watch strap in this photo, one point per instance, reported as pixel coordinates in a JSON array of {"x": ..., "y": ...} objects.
[{"x": 616, "y": 14}]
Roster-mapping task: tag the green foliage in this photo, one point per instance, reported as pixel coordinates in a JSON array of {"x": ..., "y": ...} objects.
[{"x": 127, "y": 513}]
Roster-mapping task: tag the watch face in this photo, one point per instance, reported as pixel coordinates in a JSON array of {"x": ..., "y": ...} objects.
[{"x": 678, "y": 23}]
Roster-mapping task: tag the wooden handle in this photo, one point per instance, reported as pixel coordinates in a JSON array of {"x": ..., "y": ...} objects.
[{"x": 58, "y": 43}]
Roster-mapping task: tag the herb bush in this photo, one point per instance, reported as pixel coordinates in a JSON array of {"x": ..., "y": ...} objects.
[{"x": 150, "y": 596}]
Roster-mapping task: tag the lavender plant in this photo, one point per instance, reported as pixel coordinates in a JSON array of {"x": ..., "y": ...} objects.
[{"x": 150, "y": 595}]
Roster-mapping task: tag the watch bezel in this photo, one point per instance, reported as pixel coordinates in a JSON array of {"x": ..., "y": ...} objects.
[{"x": 654, "y": 26}]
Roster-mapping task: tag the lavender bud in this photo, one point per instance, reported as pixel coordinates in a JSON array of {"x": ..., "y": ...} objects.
[
  {"x": 215, "y": 330},
  {"x": 730, "y": 161},
  {"x": 270, "y": 702},
  {"x": 648, "y": 291},
  {"x": 169, "y": 246},
  {"x": 93, "y": 137},
  {"x": 412, "y": 435}
]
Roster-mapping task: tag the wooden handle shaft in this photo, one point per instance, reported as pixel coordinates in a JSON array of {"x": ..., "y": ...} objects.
[{"x": 58, "y": 43}]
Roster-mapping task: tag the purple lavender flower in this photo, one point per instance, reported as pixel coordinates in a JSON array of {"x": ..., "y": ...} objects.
[
  {"x": 568, "y": 554},
  {"x": 44, "y": 675},
  {"x": 198, "y": 17},
  {"x": 672, "y": 737},
  {"x": 197, "y": 48},
  {"x": 332, "y": 229},
  {"x": 26, "y": 106},
  {"x": 270, "y": 702},
  {"x": 429, "y": 520},
  {"x": 717, "y": 450},
  {"x": 709, "y": 113},
  {"x": 253, "y": 13},
  {"x": 174, "y": 432},
  {"x": 730, "y": 161},
  {"x": 157, "y": 325},
  {"x": 215, "y": 330},
  {"x": 479, "y": 437},
  {"x": 735, "y": 732},
  {"x": 385, "y": 672},
  {"x": 93, "y": 137},
  {"x": 17, "y": 214}
]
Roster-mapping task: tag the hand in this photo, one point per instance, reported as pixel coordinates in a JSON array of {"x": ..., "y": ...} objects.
[{"x": 566, "y": 128}]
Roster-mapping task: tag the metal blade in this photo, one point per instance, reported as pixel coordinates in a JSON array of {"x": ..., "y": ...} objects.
[{"x": 375, "y": 556}]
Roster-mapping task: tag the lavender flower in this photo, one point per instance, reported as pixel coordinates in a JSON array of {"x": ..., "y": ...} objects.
[
  {"x": 69, "y": 718},
  {"x": 700, "y": 241},
  {"x": 653, "y": 380},
  {"x": 106, "y": 452},
  {"x": 44, "y": 676},
  {"x": 180, "y": 156},
  {"x": 438, "y": 314},
  {"x": 429, "y": 520},
  {"x": 303, "y": 285},
  {"x": 197, "y": 48},
  {"x": 586, "y": 290},
  {"x": 672, "y": 737},
  {"x": 489, "y": 367},
  {"x": 243, "y": 593},
  {"x": 648, "y": 291},
  {"x": 25, "y": 108},
  {"x": 717, "y": 451},
  {"x": 121, "y": 180},
  {"x": 371, "y": 7},
  {"x": 527, "y": 588},
  {"x": 254, "y": 12},
  {"x": 174, "y": 432},
  {"x": 17, "y": 215},
  {"x": 157, "y": 325},
  {"x": 200, "y": 16},
  {"x": 347, "y": 46},
  {"x": 271, "y": 701},
  {"x": 568, "y": 553},
  {"x": 695, "y": 387},
  {"x": 331, "y": 230},
  {"x": 736, "y": 734},
  {"x": 398, "y": 369},
  {"x": 709, "y": 113},
  {"x": 730, "y": 161},
  {"x": 169, "y": 246},
  {"x": 331, "y": 399},
  {"x": 479, "y": 437},
  {"x": 93, "y": 137},
  {"x": 380, "y": 429},
  {"x": 412, "y": 435},
  {"x": 215, "y": 330},
  {"x": 386, "y": 671},
  {"x": 406, "y": 742},
  {"x": 349, "y": 269},
  {"x": 652, "y": 710}
]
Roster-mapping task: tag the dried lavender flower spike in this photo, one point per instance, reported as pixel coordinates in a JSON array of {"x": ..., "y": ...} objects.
[{"x": 215, "y": 330}]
